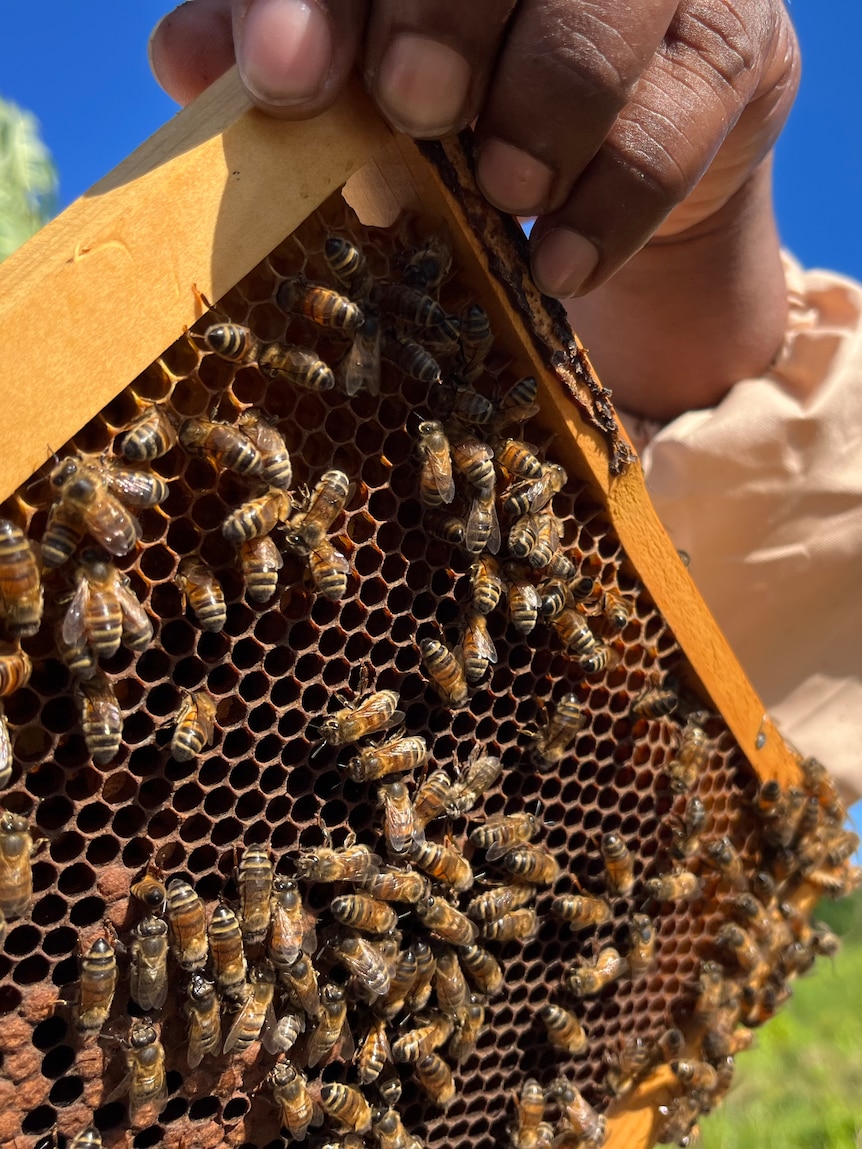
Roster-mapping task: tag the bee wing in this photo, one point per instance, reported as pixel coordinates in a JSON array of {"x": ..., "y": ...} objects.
[
  {"x": 269, "y": 1029},
  {"x": 73, "y": 621},
  {"x": 137, "y": 488},
  {"x": 233, "y": 1034},
  {"x": 440, "y": 466},
  {"x": 132, "y": 610},
  {"x": 494, "y": 538},
  {"x": 479, "y": 641},
  {"x": 110, "y": 525}
]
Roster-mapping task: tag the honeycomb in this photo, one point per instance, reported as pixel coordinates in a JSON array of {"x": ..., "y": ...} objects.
[{"x": 275, "y": 671}]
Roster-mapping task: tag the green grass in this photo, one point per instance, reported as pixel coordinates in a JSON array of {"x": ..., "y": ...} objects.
[{"x": 801, "y": 1087}]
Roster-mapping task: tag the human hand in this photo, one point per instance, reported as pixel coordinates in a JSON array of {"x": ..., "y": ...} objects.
[{"x": 613, "y": 122}]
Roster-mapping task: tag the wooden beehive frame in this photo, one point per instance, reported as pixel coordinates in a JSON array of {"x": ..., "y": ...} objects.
[{"x": 103, "y": 290}]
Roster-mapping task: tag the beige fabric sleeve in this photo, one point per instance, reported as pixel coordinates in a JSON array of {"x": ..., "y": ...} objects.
[{"x": 765, "y": 495}]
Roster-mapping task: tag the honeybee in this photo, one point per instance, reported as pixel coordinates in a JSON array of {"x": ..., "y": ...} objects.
[
  {"x": 474, "y": 460},
  {"x": 325, "y": 505},
  {"x": 203, "y": 592},
  {"x": 486, "y": 584},
  {"x": 449, "y": 528},
  {"x": 349, "y": 864},
  {"x": 346, "y": 1106},
  {"x": 692, "y": 755},
  {"x": 551, "y": 744},
  {"x": 678, "y": 886},
  {"x": 16, "y": 874},
  {"x": 148, "y": 969},
  {"x": 476, "y": 339},
  {"x": 519, "y": 402},
  {"x": 321, "y": 305},
  {"x": 330, "y": 1023},
  {"x": 104, "y": 611},
  {"x": 426, "y": 965},
  {"x": 445, "y": 668},
  {"x": 151, "y": 435},
  {"x": 150, "y": 889},
  {"x": 135, "y": 488},
  {"x": 83, "y": 490},
  {"x": 411, "y": 358},
  {"x": 443, "y": 863},
  {"x": 63, "y": 531},
  {"x": 202, "y": 1011},
  {"x": 413, "y": 307},
  {"x": 741, "y": 944},
  {"x": 147, "y": 1082},
  {"x": 546, "y": 540},
  {"x": 101, "y": 719},
  {"x": 477, "y": 647},
  {"x": 436, "y": 484},
  {"x": 502, "y": 832},
  {"x": 424, "y": 1039},
  {"x": 292, "y": 927},
  {"x": 678, "y": 1120},
  {"x": 564, "y": 1029},
  {"x": 529, "y": 1112},
  {"x": 78, "y": 657},
  {"x": 402, "y": 980},
  {"x": 300, "y": 979},
  {"x": 398, "y": 824},
  {"x": 530, "y": 495},
  {"x": 517, "y": 458},
  {"x": 347, "y": 264},
  {"x": 588, "y": 979},
  {"x": 642, "y": 943},
  {"x": 449, "y": 984},
  {"x": 656, "y": 700},
  {"x": 260, "y": 560},
  {"x": 578, "y": 1116},
  {"x": 277, "y": 361},
  {"x": 435, "y": 1078},
  {"x": 372, "y": 714},
  {"x": 363, "y": 912},
  {"x": 521, "y": 924},
  {"x": 482, "y": 968},
  {"x": 553, "y": 596},
  {"x": 448, "y": 923},
  {"x": 696, "y": 1075},
  {"x": 254, "y": 879},
  {"x": 482, "y": 529},
  {"x": 257, "y": 517},
  {"x": 21, "y": 593},
  {"x": 286, "y": 1032},
  {"x": 360, "y": 367},
  {"x": 98, "y": 982},
  {"x": 468, "y": 1027},
  {"x": 429, "y": 266},
  {"x": 575, "y": 634},
  {"x": 255, "y": 1011},
  {"x": 522, "y": 535},
  {"x": 618, "y": 611},
  {"x": 195, "y": 726},
  {"x": 479, "y": 775},
  {"x": 187, "y": 920},
  {"x": 366, "y": 964},
  {"x": 289, "y": 1088},
  {"x": 686, "y": 835},
  {"x": 432, "y": 798},
  {"x": 393, "y": 885},
  {"x": 722, "y": 856},
  {"x": 524, "y": 602},
  {"x": 228, "y": 957},
  {"x": 619, "y": 865},
  {"x": 581, "y": 910},
  {"x": 329, "y": 569},
  {"x": 389, "y": 1131},
  {"x": 532, "y": 864},
  {"x": 497, "y": 901}
]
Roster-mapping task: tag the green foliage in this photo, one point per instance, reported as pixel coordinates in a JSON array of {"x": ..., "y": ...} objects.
[
  {"x": 28, "y": 179},
  {"x": 801, "y": 1088}
]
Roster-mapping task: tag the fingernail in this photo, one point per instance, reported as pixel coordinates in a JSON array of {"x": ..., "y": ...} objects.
[
  {"x": 284, "y": 50},
  {"x": 513, "y": 180},
  {"x": 422, "y": 86},
  {"x": 563, "y": 262}
]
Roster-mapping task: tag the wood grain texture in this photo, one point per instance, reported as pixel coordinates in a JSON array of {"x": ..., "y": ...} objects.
[{"x": 101, "y": 291}]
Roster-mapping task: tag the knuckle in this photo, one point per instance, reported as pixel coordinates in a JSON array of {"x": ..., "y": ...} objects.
[{"x": 714, "y": 38}]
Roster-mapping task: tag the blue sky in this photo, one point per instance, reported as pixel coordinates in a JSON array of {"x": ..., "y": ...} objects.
[{"x": 82, "y": 68}]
